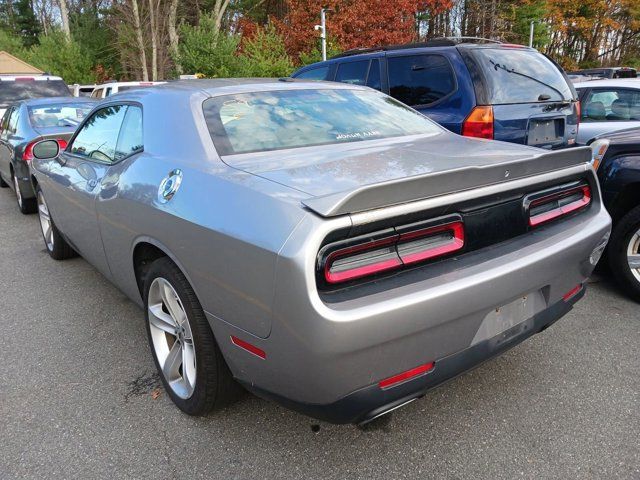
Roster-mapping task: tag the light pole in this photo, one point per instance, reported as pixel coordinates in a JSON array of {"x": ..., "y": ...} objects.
[
  {"x": 323, "y": 31},
  {"x": 531, "y": 33}
]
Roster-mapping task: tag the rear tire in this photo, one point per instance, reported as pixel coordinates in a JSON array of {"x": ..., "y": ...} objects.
[
  {"x": 25, "y": 205},
  {"x": 624, "y": 253},
  {"x": 56, "y": 245},
  {"x": 197, "y": 378},
  {"x": 3, "y": 184}
]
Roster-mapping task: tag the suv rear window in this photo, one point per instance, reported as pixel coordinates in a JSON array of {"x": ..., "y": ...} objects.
[
  {"x": 262, "y": 121},
  {"x": 516, "y": 75},
  {"x": 420, "y": 79},
  {"x": 16, "y": 90}
]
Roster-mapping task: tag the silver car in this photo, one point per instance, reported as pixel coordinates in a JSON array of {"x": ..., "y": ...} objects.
[
  {"x": 607, "y": 106},
  {"x": 321, "y": 244}
]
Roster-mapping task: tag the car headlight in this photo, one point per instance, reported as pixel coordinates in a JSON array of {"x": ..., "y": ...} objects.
[{"x": 598, "y": 149}]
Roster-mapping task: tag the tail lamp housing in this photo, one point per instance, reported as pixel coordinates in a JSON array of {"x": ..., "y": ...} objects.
[
  {"x": 390, "y": 249},
  {"x": 479, "y": 123},
  {"x": 549, "y": 205}
]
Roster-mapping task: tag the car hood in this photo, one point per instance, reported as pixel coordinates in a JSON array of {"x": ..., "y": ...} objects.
[{"x": 335, "y": 173}]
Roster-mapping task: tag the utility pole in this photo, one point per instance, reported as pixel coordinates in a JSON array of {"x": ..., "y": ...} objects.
[
  {"x": 531, "y": 33},
  {"x": 323, "y": 31}
]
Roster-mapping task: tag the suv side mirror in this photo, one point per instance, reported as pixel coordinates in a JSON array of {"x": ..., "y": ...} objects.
[{"x": 46, "y": 149}]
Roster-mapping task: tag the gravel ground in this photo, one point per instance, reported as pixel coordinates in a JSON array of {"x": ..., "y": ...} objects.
[{"x": 79, "y": 397}]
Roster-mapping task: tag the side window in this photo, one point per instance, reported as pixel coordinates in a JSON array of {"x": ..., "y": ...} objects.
[
  {"x": 5, "y": 123},
  {"x": 611, "y": 105},
  {"x": 98, "y": 137},
  {"x": 130, "y": 139},
  {"x": 320, "y": 73},
  {"x": 107, "y": 92},
  {"x": 12, "y": 127},
  {"x": 373, "y": 80},
  {"x": 420, "y": 79},
  {"x": 354, "y": 73},
  {"x": 97, "y": 93}
]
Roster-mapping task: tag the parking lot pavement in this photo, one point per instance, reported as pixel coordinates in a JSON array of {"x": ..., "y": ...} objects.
[{"x": 79, "y": 398}]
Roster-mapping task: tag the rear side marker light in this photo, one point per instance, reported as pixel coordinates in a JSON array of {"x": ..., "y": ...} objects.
[
  {"x": 550, "y": 207},
  {"x": 572, "y": 293},
  {"x": 392, "y": 252},
  {"x": 479, "y": 123},
  {"x": 404, "y": 376},
  {"x": 248, "y": 347}
]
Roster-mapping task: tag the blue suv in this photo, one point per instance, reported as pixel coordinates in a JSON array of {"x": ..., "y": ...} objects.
[{"x": 473, "y": 87}]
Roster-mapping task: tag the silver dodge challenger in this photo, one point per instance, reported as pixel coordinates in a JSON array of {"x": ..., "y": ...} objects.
[{"x": 320, "y": 244}]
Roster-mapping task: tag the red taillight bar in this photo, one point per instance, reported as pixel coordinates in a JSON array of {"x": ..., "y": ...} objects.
[
  {"x": 545, "y": 217},
  {"x": 248, "y": 347},
  {"x": 394, "y": 251},
  {"x": 404, "y": 376},
  {"x": 572, "y": 293}
]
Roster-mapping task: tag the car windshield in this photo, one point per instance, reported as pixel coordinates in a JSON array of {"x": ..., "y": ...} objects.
[
  {"x": 58, "y": 115},
  {"x": 262, "y": 121},
  {"x": 521, "y": 76},
  {"x": 22, "y": 89}
]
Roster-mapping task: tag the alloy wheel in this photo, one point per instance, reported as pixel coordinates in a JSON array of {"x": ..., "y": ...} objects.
[
  {"x": 16, "y": 185},
  {"x": 45, "y": 221},
  {"x": 172, "y": 338},
  {"x": 633, "y": 254}
]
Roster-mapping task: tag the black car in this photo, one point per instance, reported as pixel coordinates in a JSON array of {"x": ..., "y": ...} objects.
[
  {"x": 26, "y": 123},
  {"x": 616, "y": 157}
]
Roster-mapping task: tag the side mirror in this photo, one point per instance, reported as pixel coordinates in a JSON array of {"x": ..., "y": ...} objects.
[{"x": 46, "y": 149}]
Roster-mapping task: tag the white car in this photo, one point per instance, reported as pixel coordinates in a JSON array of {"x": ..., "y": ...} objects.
[
  {"x": 607, "y": 106},
  {"x": 107, "y": 89},
  {"x": 78, "y": 90}
]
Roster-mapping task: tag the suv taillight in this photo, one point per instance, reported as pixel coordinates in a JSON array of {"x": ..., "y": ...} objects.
[
  {"x": 390, "y": 249},
  {"x": 546, "y": 206},
  {"x": 479, "y": 123}
]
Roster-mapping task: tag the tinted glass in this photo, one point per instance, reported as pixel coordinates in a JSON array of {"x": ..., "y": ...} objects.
[
  {"x": 58, "y": 115},
  {"x": 420, "y": 79},
  {"x": 610, "y": 105},
  {"x": 521, "y": 76},
  {"x": 130, "y": 140},
  {"x": 315, "y": 74},
  {"x": 354, "y": 73},
  {"x": 98, "y": 137},
  {"x": 13, "y": 120},
  {"x": 263, "y": 121},
  {"x": 97, "y": 93},
  {"x": 15, "y": 90},
  {"x": 373, "y": 80}
]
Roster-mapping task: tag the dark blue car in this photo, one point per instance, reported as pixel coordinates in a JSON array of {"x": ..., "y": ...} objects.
[{"x": 476, "y": 88}]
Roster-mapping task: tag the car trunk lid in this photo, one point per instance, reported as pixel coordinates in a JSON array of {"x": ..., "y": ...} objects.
[{"x": 350, "y": 178}]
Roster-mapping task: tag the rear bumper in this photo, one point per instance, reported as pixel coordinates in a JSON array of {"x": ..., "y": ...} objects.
[{"x": 367, "y": 403}]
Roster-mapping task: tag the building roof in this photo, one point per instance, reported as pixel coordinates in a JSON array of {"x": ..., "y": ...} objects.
[{"x": 10, "y": 65}]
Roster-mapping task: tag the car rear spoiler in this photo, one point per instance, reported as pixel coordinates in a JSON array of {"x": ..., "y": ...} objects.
[{"x": 419, "y": 187}]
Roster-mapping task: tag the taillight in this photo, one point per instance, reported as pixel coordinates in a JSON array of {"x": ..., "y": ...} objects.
[
  {"x": 390, "y": 249},
  {"x": 545, "y": 207},
  {"x": 27, "y": 155},
  {"x": 404, "y": 376},
  {"x": 479, "y": 123}
]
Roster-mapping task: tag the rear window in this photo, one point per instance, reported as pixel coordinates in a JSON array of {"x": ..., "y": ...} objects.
[
  {"x": 58, "y": 115},
  {"x": 521, "y": 76},
  {"x": 16, "y": 90},
  {"x": 262, "y": 121}
]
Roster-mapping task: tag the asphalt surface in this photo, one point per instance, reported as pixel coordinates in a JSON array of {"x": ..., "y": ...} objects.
[{"x": 79, "y": 396}]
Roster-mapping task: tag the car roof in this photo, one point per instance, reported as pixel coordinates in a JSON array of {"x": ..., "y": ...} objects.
[
  {"x": 127, "y": 84},
  {"x": 10, "y": 78},
  {"x": 56, "y": 100},
  {"x": 609, "y": 82},
  {"x": 226, "y": 86}
]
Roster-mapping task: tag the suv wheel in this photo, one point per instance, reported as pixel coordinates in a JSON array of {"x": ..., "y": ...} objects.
[{"x": 624, "y": 252}]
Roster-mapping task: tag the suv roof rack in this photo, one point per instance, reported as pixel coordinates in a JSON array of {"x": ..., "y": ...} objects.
[{"x": 434, "y": 42}]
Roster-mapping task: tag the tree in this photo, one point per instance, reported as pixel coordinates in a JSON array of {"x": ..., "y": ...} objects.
[
  {"x": 264, "y": 55},
  {"x": 26, "y": 23},
  {"x": 61, "y": 57}
]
